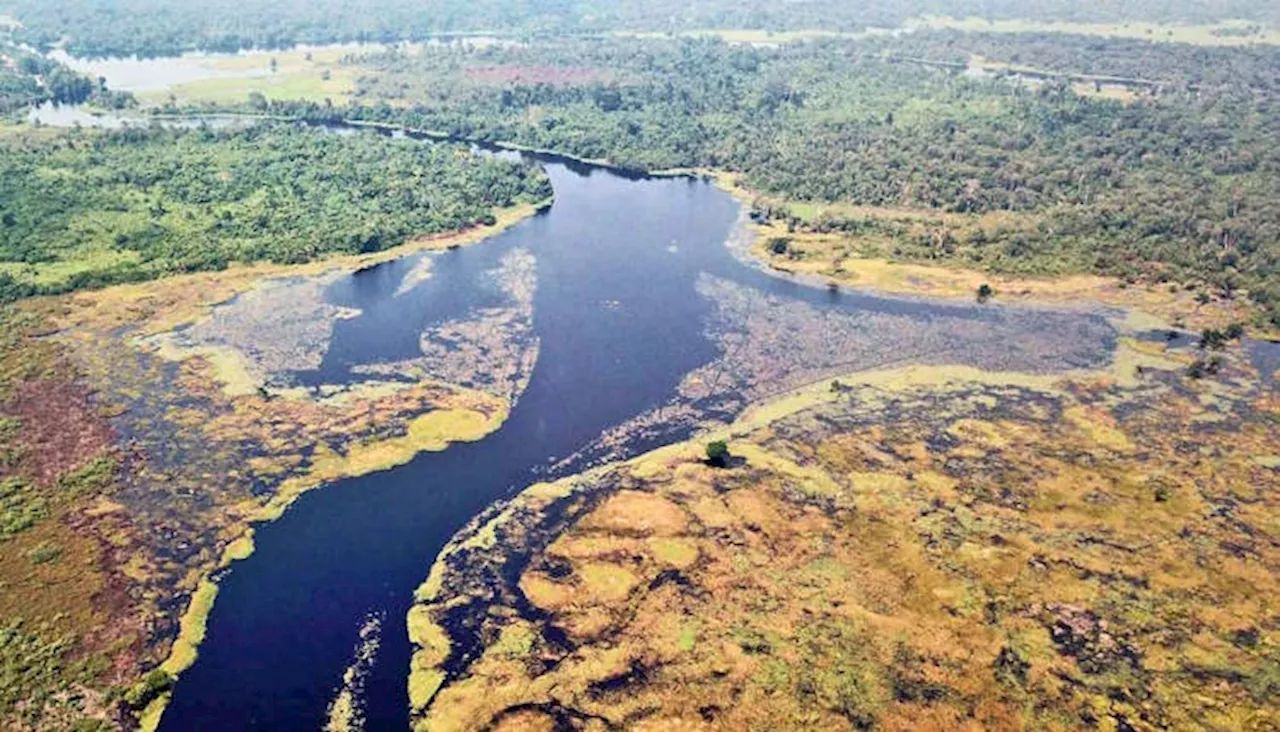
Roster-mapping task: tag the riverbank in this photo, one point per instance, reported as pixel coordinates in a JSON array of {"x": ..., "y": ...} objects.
[{"x": 858, "y": 262}]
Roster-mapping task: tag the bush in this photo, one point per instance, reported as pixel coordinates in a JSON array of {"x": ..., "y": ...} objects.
[
  {"x": 151, "y": 687},
  {"x": 44, "y": 553},
  {"x": 21, "y": 507},
  {"x": 718, "y": 453},
  {"x": 1214, "y": 339},
  {"x": 985, "y": 292}
]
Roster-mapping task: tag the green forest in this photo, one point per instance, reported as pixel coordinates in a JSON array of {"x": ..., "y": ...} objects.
[
  {"x": 28, "y": 79},
  {"x": 1174, "y": 185},
  {"x": 166, "y": 27},
  {"x": 85, "y": 209}
]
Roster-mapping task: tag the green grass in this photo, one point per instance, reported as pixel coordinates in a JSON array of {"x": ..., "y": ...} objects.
[
  {"x": 688, "y": 637},
  {"x": 299, "y": 76},
  {"x": 90, "y": 259},
  {"x": 307, "y": 86}
]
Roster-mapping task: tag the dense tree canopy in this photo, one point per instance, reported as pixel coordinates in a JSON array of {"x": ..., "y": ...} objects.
[
  {"x": 1179, "y": 185},
  {"x": 165, "y": 27},
  {"x": 87, "y": 209}
]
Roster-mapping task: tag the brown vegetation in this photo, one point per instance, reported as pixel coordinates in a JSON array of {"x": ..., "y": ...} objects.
[{"x": 993, "y": 554}]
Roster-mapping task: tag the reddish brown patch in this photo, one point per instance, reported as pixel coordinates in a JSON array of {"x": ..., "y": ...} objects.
[
  {"x": 61, "y": 430},
  {"x": 126, "y": 625},
  {"x": 556, "y": 75}
]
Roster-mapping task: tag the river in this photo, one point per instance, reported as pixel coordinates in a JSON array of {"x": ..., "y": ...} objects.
[
  {"x": 621, "y": 321},
  {"x": 636, "y": 290}
]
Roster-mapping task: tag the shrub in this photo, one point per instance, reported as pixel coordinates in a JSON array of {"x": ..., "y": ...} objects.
[
  {"x": 44, "y": 553},
  {"x": 985, "y": 292},
  {"x": 718, "y": 453},
  {"x": 1214, "y": 339},
  {"x": 152, "y": 686}
]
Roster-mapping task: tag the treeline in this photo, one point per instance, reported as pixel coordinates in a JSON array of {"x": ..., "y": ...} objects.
[
  {"x": 1174, "y": 66},
  {"x": 88, "y": 209},
  {"x": 167, "y": 27},
  {"x": 1180, "y": 187},
  {"x": 28, "y": 79}
]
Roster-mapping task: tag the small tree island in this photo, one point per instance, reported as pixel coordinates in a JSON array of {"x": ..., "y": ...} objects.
[{"x": 718, "y": 453}]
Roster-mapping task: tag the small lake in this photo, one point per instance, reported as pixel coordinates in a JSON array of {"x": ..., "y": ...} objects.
[
  {"x": 157, "y": 74},
  {"x": 648, "y": 322}
]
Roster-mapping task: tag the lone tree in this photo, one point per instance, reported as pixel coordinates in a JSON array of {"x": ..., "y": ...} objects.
[
  {"x": 718, "y": 453},
  {"x": 985, "y": 292}
]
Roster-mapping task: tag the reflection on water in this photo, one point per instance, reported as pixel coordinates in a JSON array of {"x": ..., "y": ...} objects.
[{"x": 77, "y": 115}]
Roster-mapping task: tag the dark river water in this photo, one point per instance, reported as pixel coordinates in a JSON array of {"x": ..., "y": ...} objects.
[{"x": 620, "y": 320}]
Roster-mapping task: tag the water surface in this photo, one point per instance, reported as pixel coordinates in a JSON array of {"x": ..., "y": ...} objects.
[{"x": 636, "y": 290}]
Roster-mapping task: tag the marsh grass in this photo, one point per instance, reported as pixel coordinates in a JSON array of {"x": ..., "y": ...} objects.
[{"x": 965, "y": 529}]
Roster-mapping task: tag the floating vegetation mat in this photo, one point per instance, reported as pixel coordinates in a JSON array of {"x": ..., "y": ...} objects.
[
  {"x": 346, "y": 713},
  {"x": 928, "y": 548},
  {"x": 770, "y": 345},
  {"x": 493, "y": 349},
  {"x": 257, "y": 338}
]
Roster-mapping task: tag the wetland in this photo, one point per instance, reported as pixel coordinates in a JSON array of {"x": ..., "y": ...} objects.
[
  {"x": 618, "y": 320},
  {"x": 898, "y": 398}
]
